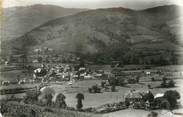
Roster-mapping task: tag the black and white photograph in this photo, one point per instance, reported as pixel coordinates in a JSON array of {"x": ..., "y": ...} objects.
[{"x": 91, "y": 58}]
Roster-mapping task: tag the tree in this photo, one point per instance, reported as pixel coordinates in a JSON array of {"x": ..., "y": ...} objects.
[
  {"x": 96, "y": 89},
  {"x": 121, "y": 82},
  {"x": 113, "y": 81},
  {"x": 90, "y": 90},
  {"x": 171, "y": 83},
  {"x": 82, "y": 63},
  {"x": 113, "y": 88},
  {"x": 60, "y": 101},
  {"x": 79, "y": 97},
  {"x": 47, "y": 94},
  {"x": 40, "y": 59},
  {"x": 148, "y": 97},
  {"x": 149, "y": 86},
  {"x": 172, "y": 96},
  {"x": 48, "y": 98},
  {"x": 103, "y": 84},
  {"x": 164, "y": 82},
  {"x": 137, "y": 79},
  {"x": 152, "y": 79}
]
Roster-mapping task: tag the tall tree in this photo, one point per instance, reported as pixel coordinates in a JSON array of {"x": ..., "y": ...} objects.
[
  {"x": 60, "y": 101},
  {"x": 79, "y": 98}
]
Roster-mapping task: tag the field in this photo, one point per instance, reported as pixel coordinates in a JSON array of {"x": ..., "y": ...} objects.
[
  {"x": 93, "y": 100},
  {"x": 97, "y": 99}
]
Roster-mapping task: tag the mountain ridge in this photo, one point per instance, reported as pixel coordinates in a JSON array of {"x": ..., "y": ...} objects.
[
  {"x": 29, "y": 17},
  {"x": 112, "y": 34}
]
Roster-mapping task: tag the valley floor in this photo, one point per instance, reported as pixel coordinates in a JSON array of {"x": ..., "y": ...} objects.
[{"x": 97, "y": 99}]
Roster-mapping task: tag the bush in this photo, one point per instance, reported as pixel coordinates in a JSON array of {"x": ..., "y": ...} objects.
[
  {"x": 164, "y": 79},
  {"x": 163, "y": 85},
  {"x": 149, "y": 86},
  {"x": 113, "y": 81},
  {"x": 103, "y": 84},
  {"x": 152, "y": 114},
  {"x": 137, "y": 79},
  {"x": 113, "y": 88},
  {"x": 90, "y": 90},
  {"x": 152, "y": 79},
  {"x": 171, "y": 83},
  {"x": 132, "y": 81},
  {"x": 14, "y": 109},
  {"x": 31, "y": 97},
  {"x": 94, "y": 89},
  {"x": 116, "y": 82},
  {"x": 121, "y": 82}
]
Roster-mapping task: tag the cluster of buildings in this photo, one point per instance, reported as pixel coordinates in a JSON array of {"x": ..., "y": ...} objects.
[{"x": 65, "y": 72}]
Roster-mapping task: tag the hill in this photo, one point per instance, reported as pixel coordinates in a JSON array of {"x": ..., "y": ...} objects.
[
  {"x": 105, "y": 35},
  {"x": 19, "y": 20}
]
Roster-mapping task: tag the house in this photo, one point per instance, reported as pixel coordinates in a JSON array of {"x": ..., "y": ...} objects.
[
  {"x": 132, "y": 97},
  {"x": 35, "y": 61},
  {"x": 38, "y": 50}
]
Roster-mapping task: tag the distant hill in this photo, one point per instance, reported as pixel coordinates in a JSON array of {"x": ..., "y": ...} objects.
[
  {"x": 110, "y": 34},
  {"x": 19, "y": 20}
]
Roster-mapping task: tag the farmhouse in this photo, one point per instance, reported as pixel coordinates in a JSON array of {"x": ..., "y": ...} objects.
[{"x": 133, "y": 97}]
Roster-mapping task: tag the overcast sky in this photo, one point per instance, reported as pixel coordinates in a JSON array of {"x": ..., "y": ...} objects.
[{"x": 93, "y": 4}]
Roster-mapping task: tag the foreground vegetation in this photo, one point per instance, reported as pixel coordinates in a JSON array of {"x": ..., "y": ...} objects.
[{"x": 14, "y": 109}]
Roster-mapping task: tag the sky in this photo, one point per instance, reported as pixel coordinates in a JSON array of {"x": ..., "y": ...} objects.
[{"x": 93, "y": 4}]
